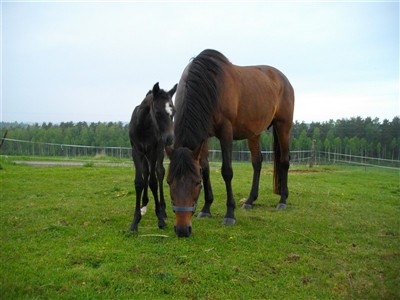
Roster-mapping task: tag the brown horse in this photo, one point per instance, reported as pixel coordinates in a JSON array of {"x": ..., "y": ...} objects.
[{"x": 217, "y": 98}]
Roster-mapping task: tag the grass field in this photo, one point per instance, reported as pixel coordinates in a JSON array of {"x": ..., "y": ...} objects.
[{"x": 64, "y": 235}]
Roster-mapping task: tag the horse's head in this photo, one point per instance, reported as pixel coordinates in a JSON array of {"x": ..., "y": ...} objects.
[
  {"x": 184, "y": 179},
  {"x": 162, "y": 112}
]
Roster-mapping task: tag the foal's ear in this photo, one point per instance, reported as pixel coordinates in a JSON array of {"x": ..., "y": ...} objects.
[
  {"x": 173, "y": 90},
  {"x": 198, "y": 150},
  {"x": 156, "y": 89},
  {"x": 169, "y": 150}
]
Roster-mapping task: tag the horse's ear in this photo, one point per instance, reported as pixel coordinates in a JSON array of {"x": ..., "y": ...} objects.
[
  {"x": 156, "y": 89},
  {"x": 169, "y": 150},
  {"x": 198, "y": 150},
  {"x": 173, "y": 90}
]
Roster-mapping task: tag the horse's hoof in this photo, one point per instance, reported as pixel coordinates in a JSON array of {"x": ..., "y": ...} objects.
[
  {"x": 228, "y": 221},
  {"x": 143, "y": 210},
  {"x": 281, "y": 206},
  {"x": 162, "y": 224},
  {"x": 203, "y": 215},
  {"x": 247, "y": 206}
]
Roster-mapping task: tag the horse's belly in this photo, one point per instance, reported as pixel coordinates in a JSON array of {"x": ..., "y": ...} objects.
[{"x": 254, "y": 128}]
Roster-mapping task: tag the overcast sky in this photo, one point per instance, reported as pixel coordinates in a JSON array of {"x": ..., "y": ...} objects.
[{"x": 95, "y": 61}]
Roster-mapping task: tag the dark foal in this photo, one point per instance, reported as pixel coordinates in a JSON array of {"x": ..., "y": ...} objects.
[{"x": 150, "y": 130}]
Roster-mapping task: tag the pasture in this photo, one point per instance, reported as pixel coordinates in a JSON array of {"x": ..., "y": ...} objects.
[{"x": 64, "y": 235}]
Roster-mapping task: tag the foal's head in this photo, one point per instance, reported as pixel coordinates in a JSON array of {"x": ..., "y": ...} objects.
[
  {"x": 184, "y": 179},
  {"x": 162, "y": 111}
]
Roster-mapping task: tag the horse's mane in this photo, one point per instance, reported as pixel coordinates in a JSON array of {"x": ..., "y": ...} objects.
[
  {"x": 200, "y": 96},
  {"x": 182, "y": 163}
]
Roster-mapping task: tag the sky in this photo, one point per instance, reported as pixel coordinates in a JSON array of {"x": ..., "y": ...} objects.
[{"x": 96, "y": 60}]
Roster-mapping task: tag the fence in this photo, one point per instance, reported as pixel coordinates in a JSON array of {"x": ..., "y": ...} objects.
[
  {"x": 305, "y": 157},
  {"x": 29, "y": 148}
]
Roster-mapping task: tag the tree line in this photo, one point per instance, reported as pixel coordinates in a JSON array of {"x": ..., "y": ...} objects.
[{"x": 354, "y": 136}]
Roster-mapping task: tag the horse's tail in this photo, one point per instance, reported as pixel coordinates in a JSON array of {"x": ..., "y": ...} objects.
[{"x": 277, "y": 158}]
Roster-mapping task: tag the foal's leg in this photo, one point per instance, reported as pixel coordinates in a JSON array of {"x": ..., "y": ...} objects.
[
  {"x": 208, "y": 194},
  {"x": 160, "y": 170},
  {"x": 226, "y": 141},
  {"x": 138, "y": 159},
  {"x": 153, "y": 184},
  {"x": 256, "y": 160},
  {"x": 145, "y": 198}
]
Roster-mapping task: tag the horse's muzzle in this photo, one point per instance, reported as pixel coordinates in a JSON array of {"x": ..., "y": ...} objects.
[
  {"x": 183, "y": 231},
  {"x": 168, "y": 139}
]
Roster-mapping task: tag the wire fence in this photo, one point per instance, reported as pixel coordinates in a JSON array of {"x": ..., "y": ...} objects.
[{"x": 13, "y": 147}]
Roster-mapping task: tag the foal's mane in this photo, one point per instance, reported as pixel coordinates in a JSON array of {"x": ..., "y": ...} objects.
[{"x": 200, "y": 97}]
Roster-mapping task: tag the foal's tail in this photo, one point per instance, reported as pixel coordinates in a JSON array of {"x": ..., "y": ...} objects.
[{"x": 277, "y": 158}]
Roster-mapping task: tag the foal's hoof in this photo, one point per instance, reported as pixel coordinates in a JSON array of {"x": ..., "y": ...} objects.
[
  {"x": 228, "y": 221},
  {"x": 281, "y": 206},
  {"x": 143, "y": 210},
  {"x": 247, "y": 206},
  {"x": 203, "y": 215}
]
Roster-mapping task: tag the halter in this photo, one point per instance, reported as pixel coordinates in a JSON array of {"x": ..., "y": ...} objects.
[{"x": 184, "y": 208}]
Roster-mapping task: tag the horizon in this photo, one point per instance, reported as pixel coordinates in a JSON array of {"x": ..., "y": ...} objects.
[{"x": 380, "y": 121}]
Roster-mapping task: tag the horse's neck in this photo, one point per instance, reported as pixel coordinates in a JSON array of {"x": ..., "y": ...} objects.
[{"x": 145, "y": 124}]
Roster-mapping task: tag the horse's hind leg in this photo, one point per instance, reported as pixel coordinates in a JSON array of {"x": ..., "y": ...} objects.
[
  {"x": 282, "y": 134},
  {"x": 256, "y": 161}
]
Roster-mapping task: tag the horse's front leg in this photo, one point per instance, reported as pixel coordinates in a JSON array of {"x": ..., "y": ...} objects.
[
  {"x": 208, "y": 194},
  {"x": 226, "y": 141},
  {"x": 160, "y": 177},
  {"x": 139, "y": 186},
  {"x": 256, "y": 161},
  {"x": 153, "y": 184},
  {"x": 145, "y": 197}
]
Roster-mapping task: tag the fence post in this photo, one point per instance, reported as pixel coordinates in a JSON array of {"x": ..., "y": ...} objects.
[{"x": 312, "y": 157}]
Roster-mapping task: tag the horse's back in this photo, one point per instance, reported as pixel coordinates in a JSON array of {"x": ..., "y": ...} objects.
[
  {"x": 280, "y": 89},
  {"x": 253, "y": 97},
  {"x": 267, "y": 83},
  {"x": 139, "y": 122}
]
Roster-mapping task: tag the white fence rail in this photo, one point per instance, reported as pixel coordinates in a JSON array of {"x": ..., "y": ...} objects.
[{"x": 306, "y": 157}]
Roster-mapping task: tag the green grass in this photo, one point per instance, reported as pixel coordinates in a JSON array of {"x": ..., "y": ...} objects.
[{"x": 64, "y": 235}]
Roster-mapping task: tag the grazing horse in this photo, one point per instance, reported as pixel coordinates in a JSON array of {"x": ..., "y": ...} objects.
[
  {"x": 218, "y": 98},
  {"x": 151, "y": 128}
]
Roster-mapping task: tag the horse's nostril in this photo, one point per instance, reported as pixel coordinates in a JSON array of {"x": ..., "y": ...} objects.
[
  {"x": 169, "y": 140},
  {"x": 183, "y": 231}
]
